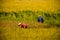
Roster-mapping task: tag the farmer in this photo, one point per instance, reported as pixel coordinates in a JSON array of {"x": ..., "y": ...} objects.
[
  {"x": 22, "y": 25},
  {"x": 40, "y": 19}
]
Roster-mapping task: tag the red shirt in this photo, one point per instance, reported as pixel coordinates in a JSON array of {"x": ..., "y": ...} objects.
[{"x": 23, "y": 25}]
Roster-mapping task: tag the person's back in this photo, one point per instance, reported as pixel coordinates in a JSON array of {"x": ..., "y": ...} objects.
[
  {"x": 40, "y": 19},
  {"x": 22, "y": 25}
]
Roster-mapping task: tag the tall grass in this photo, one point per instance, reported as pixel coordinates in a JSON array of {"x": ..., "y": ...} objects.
[
  {"x": 9, "y": 30},
  {"x": 50, "y": 18}
]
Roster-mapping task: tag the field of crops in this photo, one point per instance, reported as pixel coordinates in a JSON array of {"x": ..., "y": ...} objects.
[
  {"x": 50, "y": 18},
  {"x": 49, "y": 30}
]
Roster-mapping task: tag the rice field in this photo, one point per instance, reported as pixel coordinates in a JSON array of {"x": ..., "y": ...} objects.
[
  {"x": 49, "y": 30},
  {"x": 9, "y": 30},
  {"x": 34, "y": 5},
  {"x": 27, "y": 11}
]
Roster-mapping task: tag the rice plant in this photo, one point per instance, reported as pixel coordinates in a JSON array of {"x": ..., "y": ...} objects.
[{"x": 49, "y": 30}]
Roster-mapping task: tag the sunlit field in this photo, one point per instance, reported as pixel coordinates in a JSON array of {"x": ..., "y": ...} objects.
[
  {"x": 49, "y": 30},
  {"x": 16, "y": 5},
  {"x": 27, "y": 11},
  {"x": 10, "y": 31}
]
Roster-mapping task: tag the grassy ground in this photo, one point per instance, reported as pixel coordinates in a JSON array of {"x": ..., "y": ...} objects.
[
  {"x": 49, "y": 30},
  {"x": 10, "y": 31}
]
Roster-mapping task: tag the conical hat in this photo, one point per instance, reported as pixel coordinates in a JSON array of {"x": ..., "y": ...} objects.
[{"x": 19, "y": 23}]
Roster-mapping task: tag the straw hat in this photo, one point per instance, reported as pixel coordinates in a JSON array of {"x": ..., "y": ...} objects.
[{"x": 19, "y": 23}]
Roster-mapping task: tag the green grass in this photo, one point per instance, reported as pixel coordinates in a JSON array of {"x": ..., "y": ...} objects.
[
  {"x": 50, "y": 18},
  {"x": 49, "y": 30}
]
